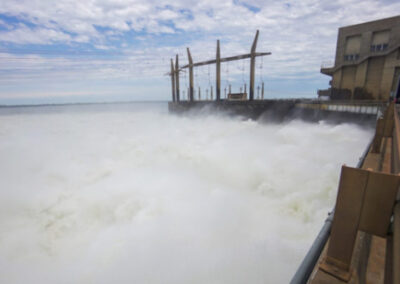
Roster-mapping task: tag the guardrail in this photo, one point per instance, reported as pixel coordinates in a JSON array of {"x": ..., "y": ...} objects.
[
  {"x": 392, "y": 273},
  {"x": 327, "y": 64},
  {"x": 307, "y": 265},
  {"x": 396, "y": 213},
  {"x": 364, "y": 107},
  {"x": 396, "y": 244}
]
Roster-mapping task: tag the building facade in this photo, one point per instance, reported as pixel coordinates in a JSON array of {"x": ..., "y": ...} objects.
[{"x": 367, "y": 63}]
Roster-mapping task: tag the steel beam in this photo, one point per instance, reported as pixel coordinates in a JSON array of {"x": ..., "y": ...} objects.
[
  {"x": 218, "y": 72},
  {"x": 190, "y": 75},
  {"x": 173, "y": 80},
  {"x": 226, "y": 59},
  {"x": 262, "y": 90},
  {"x": 253, "y": 66},
  {"x": 218, "y": 60},
  {"x": 199, "y": 94},
  {"x": 177, "y": 78}
]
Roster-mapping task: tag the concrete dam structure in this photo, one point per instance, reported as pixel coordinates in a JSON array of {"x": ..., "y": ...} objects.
[{"x": 360, "y": 240}]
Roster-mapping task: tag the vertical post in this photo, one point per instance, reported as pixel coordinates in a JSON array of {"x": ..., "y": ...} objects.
[
  {"x": 245, "y": 88},
  {"x": 173, "y": 80},
  {"x": 396, "y": 243},
  {"x": 262, "y": 90},
  {"x": 230, "y": 89},
  {"x": 199, "y": 94},
  {"x": 190, "y": 74},
  {"x": 177, "y": 77},
  {"x": 212, "y": 95},
  {"x": 218, "y": 72},
  {"x": 253, "y": 66}
]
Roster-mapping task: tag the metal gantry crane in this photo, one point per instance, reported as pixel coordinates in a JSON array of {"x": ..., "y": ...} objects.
[{"x": 217, "y": 61}]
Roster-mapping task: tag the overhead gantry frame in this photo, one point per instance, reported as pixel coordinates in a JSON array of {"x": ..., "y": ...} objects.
[{"x": 217, "y": 61}]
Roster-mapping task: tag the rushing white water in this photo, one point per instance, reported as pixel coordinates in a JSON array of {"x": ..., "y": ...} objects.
[{"x": 117, "y": 196}]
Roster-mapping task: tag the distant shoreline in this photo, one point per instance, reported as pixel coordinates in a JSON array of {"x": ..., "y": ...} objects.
[{"x": 74, "y": 104}]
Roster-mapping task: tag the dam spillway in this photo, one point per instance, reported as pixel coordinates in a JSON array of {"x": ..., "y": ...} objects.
[
  {"x": 279, "y": 110},
  {"x": 121, "y": 190}
]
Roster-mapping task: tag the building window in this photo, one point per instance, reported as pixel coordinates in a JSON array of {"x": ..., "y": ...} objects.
[
  {"x": 353, "y": 44},
  {"x": 380, "y": 40},
  {"x": 379, "y": 47},
  {"x": 351, "y": 57}
]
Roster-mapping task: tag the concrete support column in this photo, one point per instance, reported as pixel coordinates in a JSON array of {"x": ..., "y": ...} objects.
[
  {"x": 173, "y": 80},
  {"x": 177, "y": 78},
  {"x": 191, "y": 97},
  {"x": 218, "y": 72},
  {"x": 262, "y": 90},
  {"x": 253, "y": 66}
]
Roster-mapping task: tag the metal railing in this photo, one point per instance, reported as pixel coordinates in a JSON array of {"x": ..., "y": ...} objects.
[
  {"x": 307, "y": 265},
  {"x": 327, "y": 64},
  {"x": 396, "y": 244},
  {"x": 364, "y": 107},
  {"x": 396, "y": 211}
]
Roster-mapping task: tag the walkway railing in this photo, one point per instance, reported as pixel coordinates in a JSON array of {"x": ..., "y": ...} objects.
[
  {"x": 365, "y": 107},
  {"x": 382, "y": 184}
]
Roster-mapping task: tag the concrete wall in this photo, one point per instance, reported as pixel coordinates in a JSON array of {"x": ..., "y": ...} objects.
[
  {"x": 337, "y": 79},
  {"x": 395, "y": 81},
  {"x": 353, "y": 44},
  {"x": 388, "y": 73},
  {"x": 348, "y": 77},
  {"x": 361, "y": 74},
  {"x": 374, "y": 76}
]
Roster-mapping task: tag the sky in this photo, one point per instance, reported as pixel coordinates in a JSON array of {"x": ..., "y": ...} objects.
[{"x": 69, "y": 51}]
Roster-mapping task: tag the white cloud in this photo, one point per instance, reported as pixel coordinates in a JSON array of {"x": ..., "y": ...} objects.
[
  {"x": 25, "y": 35},
  {"x": 300, "y": 34}
]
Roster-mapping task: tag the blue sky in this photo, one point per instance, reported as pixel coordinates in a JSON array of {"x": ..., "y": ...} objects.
[{"x": 103, "y": 50}]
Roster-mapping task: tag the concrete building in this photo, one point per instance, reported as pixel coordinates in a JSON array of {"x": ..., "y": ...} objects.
[{"x": 367, "y": 63}]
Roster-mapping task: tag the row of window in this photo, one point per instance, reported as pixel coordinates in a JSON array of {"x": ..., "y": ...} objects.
[
  {"x": 374, "y": 48},
  {"x": 351, "y": 57},
  {"x": 379, "y": 47}
]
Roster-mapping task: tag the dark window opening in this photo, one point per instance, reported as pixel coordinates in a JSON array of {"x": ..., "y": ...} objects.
[
  {"x": 351, "y": 57},
  {"x": 379, "y": 47}
]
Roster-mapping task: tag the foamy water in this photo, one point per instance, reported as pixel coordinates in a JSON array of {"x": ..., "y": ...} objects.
[{"x": 145, "y": 197}]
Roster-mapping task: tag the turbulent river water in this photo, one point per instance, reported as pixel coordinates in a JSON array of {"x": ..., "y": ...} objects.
[{"x": 132, "y": 194}]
